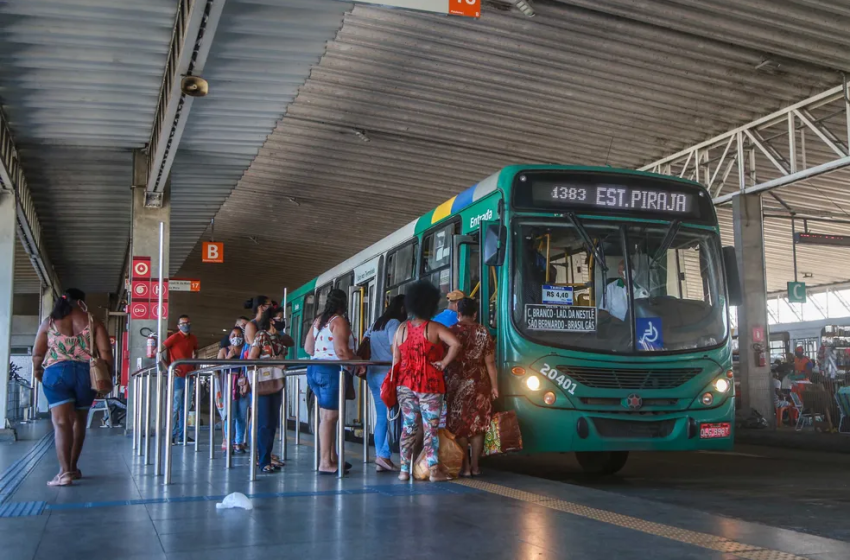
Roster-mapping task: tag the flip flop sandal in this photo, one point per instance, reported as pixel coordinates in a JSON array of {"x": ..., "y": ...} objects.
[
  {"x": 334, "y": 473},
  {"x": 77, "y": 474},
  {"x": 65, "y": 479},
  {"x": 269, "y": 469}
]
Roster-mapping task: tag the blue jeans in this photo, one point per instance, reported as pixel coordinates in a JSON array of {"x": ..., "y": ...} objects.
[
  {"x": 268, "y": 421},
  {"x": 240, "y": 418},
  {"x": 382, "y": 444},
  {"x": 178, "y": 415},
  {"x": 324, "y": 382}
]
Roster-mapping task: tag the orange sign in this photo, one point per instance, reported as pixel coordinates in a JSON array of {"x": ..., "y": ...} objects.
[
  {"x": 468, "y": 8},
  {"x": 213, "y": 252}
]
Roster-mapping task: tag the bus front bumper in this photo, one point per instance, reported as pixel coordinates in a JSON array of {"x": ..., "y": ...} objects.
[{"x": 559, "y": 430}]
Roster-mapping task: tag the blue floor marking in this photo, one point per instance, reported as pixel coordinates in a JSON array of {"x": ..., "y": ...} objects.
[
  {"x": 13, "y": 476},
  {"x": 386, "y": 490},
  {"x": 22, "y": 509}
]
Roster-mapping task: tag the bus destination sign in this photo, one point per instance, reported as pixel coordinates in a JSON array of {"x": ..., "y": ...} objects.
[
  {"x": 614, "y": 197},
  {"x": 562, "y": 318}
]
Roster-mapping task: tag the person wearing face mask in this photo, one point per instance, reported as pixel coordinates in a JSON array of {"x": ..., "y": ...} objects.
[
  {"x": 182, "y": 345},
  {"x": 616, "y": 295},
  {"x": 240, "y": 391}
]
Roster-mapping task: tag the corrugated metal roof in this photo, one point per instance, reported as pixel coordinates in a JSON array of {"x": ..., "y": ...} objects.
[
  {"x": 79, "y": 82},
  {"x": 447, "y": 101},
  {"x": 262, "y": 53},
  {"x": 26, "y": 279}
]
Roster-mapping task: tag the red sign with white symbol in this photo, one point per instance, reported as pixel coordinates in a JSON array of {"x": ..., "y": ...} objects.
[
  {"x": 139, "y": 310},
  {"x": 758, "y": 334},
  {"x": 141, "y": 290},
  {"x": 141, "y": 268},
  {"x": 155, "y": 290},
  {"x": 154, "y": 311}
]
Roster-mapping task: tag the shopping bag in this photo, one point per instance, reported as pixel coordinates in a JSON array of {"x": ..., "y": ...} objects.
[
  {"x": 503, "y": 435},
  {"x": 450, "y": 456},
  {"x": 389, "y": 387}
]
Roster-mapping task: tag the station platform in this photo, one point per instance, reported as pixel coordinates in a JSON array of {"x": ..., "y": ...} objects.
[{"x": 121, "y": 510}]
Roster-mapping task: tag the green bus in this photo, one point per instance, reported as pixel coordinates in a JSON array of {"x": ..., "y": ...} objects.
[{"x": 607, "y": 292}]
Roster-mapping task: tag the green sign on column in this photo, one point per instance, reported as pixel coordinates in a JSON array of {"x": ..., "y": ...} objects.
[{"x": 796, "y": 292}]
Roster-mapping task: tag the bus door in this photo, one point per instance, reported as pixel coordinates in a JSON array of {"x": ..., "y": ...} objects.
[
  {"x": 467, "y": 265},
  {"x": 360, "y": 310}
]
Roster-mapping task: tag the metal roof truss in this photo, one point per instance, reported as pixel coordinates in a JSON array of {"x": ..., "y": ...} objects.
[{"x": 776, "y": 145}]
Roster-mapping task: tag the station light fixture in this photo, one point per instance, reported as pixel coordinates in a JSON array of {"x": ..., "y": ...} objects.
[
  {"x": 533, "y": 382},
  {"x": 524, "y": 6},
  {"x": 361, "y": 134}
]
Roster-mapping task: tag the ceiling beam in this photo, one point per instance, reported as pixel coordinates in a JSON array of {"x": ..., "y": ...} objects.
[
  {"x": 703, "y": 162},
  {"x": 12, "y": 180},
  {"x": 194, "y": 30}
]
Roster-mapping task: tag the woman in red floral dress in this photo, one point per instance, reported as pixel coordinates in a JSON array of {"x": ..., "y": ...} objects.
[{"x": 471, "y": 384}]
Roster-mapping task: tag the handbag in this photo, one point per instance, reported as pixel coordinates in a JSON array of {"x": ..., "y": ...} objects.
[
  {"x": 389, "y": 387},
  {"x": 503, "y": 435},
  {"x": 364, "y": 352},
  {"x": 101, "y": 377}
]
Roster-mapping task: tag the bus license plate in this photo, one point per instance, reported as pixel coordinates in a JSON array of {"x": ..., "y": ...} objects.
[{"x": 711, "y": 431}]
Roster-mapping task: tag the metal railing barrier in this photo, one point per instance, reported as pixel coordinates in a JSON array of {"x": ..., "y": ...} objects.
[
  {"x": 293, "y": 368},
  {"x": 140, "y": 382}
]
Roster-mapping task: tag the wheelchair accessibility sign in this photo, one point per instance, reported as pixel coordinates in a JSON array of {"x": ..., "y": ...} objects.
[{"x": 648, "y": 331}]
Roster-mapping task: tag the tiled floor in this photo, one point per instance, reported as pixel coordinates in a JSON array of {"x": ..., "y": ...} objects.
[{"x": 303, "y": 516}]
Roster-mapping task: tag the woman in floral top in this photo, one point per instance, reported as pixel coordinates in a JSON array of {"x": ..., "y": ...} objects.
[{"x": 471, "y": 384}]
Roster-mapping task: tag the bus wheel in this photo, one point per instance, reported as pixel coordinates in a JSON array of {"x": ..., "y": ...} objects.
[{"x": 602, "y": 462}]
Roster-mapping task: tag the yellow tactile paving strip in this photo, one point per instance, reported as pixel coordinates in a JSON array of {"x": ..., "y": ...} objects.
[{"x": 703, "y": 540}]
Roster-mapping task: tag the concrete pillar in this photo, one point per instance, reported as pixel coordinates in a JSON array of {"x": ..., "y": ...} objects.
[
  {"x": 48, "y": 299},
  {"x": 756, "y": 385},
  {"x": 7, "y": 280},
  {"x": 145, "y": 243}
]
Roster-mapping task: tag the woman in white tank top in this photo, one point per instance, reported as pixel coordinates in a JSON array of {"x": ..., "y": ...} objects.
[{"x": 330, "y": 338}]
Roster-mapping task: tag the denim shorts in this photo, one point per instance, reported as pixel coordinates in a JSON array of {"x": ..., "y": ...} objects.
[
  {"x": 68, "y": 382},
  {"x": 324, "y": 382}
]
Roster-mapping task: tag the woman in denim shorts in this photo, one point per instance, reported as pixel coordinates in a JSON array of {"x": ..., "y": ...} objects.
[{"x": 63, "y": 348}]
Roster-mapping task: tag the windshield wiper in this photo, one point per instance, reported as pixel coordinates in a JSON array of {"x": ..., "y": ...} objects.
[
  {"x": 588, "y": 243},
  {"x": 666, "y": 242}
]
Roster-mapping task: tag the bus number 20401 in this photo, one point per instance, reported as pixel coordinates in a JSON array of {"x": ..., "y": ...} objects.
[{"x": 565, "y": 382}]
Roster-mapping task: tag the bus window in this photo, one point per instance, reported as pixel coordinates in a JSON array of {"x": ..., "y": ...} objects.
[
  {"x": 345, "y": 282},
  {"x": 437, "y": 259},
  {"x": 307, "y": 316},
  {"x": 322, "y": 298},
  {"x": 676, "y": 277},
  {"x": 558, "y": 267},
  {"x": 401, "y": 270}
]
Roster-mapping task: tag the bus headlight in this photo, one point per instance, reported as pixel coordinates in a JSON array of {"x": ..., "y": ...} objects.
[
  {"x": 549, "y": 398},
  {"x": 533, "y": 382},
  {"x": 707, "y": 399},
  {"x": 721, "y": 385}
]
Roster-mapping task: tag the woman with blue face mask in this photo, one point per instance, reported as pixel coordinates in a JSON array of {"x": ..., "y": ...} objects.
[{"x": 240, "y": 390}]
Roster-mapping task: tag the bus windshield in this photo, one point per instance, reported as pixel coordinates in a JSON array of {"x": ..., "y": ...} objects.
[{"x": 619, "y": 287}]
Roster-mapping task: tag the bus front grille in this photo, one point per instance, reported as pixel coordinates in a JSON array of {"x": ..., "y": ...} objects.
[
  {"x": 611, "y": 428},
  {"x": 632, "y": 379}
]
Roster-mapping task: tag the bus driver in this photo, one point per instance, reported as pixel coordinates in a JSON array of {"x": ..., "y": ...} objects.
[{"x": 616, "y": 296}]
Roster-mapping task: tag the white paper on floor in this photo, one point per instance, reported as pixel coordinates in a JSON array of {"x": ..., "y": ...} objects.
[{"x": 235, "y": 500}]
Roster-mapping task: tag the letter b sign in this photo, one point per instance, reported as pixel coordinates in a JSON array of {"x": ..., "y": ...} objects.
[{"x": 213, "y": 252}]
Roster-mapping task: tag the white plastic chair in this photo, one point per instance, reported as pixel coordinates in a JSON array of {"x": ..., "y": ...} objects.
[{"x": 99, "y": 405}]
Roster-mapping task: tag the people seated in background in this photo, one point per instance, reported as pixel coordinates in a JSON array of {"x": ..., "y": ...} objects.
[
  {"x": 802, "y": 364},
  {"x": 780, "y": 402}
]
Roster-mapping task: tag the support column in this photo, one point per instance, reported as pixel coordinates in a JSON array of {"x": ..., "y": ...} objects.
[
  {"x": 145, "y": 243},
  {"x": 48, "y": 299},
  {"x": 756, "y": 386},
  {"x": 7, "y": 280}
]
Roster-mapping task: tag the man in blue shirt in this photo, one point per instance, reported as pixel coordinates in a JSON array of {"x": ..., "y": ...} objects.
[{"x": 448, "y": 316}]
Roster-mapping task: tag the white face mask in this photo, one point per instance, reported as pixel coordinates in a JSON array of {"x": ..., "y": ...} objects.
[{"x": 236, "y": 341}]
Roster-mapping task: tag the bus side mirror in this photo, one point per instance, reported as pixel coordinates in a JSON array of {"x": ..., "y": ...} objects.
[
  {"x": 494, "y": 245},
  {"x": 733, "y": 279}
]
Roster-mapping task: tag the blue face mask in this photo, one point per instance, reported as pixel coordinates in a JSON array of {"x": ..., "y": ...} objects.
[{"x": 184, "y": 328}]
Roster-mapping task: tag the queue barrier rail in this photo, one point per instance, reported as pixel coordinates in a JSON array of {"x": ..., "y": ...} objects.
[
  {"x": 141, "y": 386},
  {"x": 293, "y": 368}
]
